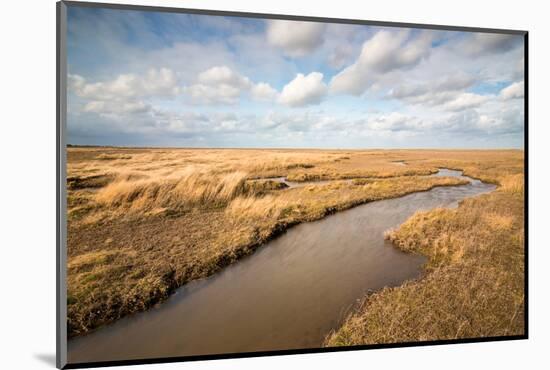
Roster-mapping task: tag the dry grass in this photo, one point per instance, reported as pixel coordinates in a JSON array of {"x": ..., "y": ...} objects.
[
  {"x": 474, "y": 283},
  {"x": 191, "y": 188},
  {"x": 144, "y": 221}
]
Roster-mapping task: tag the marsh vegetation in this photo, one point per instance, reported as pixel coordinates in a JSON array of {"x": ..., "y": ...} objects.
[
  {"x": 474, "y": 282},
  {"x": 142, "y": 222}
]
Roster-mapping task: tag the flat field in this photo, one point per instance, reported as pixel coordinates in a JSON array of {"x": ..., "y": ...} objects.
[{"x": 142, "y": 222}]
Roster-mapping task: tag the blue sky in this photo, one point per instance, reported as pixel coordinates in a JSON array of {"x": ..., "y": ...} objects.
[{"x": 163, "y": 79}]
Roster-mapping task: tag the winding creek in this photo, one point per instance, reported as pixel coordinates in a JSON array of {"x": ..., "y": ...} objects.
[{"x": 287, "y": 295}]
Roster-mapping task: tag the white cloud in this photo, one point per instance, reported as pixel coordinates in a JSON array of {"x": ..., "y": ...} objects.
[
  {"x": 466, "y": 101},
  {"x": 394, "y": 121},
  {"x": 156, "y": 82},
  {"x": 207, "y": 94},
  {"x": 431, "y": 74},
  {"x": 489, "y": 121},
  {"x": 218, "y": 85},
  {"x": 125, "y": 94},
  {"x": 469, "y": 122},
  {"x": 105, "y": 107},
  {"x": 297, "y": 39},
  {"x": 513, "y": 91},
  {"x": 304, "y": 90},
  {"x": 198, "y": 124},
  {"x": 222, "y": 75},
  {"x": 447, "y": 94},
  {"x": 433, "y": 93},
  {"x": 385, "y": 52},
  {"x": 222, "y": 85},
  {"x": 263, "y": 92}
]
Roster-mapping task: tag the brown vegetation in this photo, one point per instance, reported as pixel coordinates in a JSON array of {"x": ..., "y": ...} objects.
[
  {"x": 474, "y": 283},
  {"x": 142, "y": 222}
]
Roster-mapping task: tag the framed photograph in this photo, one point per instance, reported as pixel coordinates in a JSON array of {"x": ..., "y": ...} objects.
[{"x": 238, "y": 184}]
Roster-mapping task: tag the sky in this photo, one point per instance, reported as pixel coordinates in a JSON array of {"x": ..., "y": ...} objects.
[{"x": 140, "y": 78}]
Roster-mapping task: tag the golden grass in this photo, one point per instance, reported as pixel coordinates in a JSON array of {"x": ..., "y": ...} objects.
[
  {"x": 474, "y": 277},
  {"x": 190, "y": 188},
  {"x": 267, "y": 207},
  {"x": 142, "y": 222}
]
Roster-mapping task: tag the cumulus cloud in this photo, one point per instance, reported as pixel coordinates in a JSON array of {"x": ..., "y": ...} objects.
[
  {"x": 304, "y": 90},
  {"x": 394, "y": 121},
  {"x": 472, "y": 121},
  {"x": 218, "y": 85},
  {"x": 156, "y": 82},
  {"x": 297, "y": 39},
  {"x": 431, "y": 77},
  {"x": 469, "y": 122},
  {"x": 222, "y": 85},
  {"x": 447, "y": 93},
  {"x": 513, "y": 91},
  {"x": 208, "y": 94},
  {"x": 434, "y": 92},
  {"x": 385, "y": 52},
  {"x": 126, "y": 94},
  {"x": 466, "y": 101},
  {"x": 195, "y": 124},
  {"x": 449, "y": 100},
  {"x": 224, "y": 76},
  {"x": 263, "y": 92}
]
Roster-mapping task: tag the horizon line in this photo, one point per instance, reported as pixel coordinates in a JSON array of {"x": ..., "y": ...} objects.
[{"x": 277, "y": 148}]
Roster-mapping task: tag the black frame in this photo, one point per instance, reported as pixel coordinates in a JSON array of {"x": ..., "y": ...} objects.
[{"x": 61, "y": 162}]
